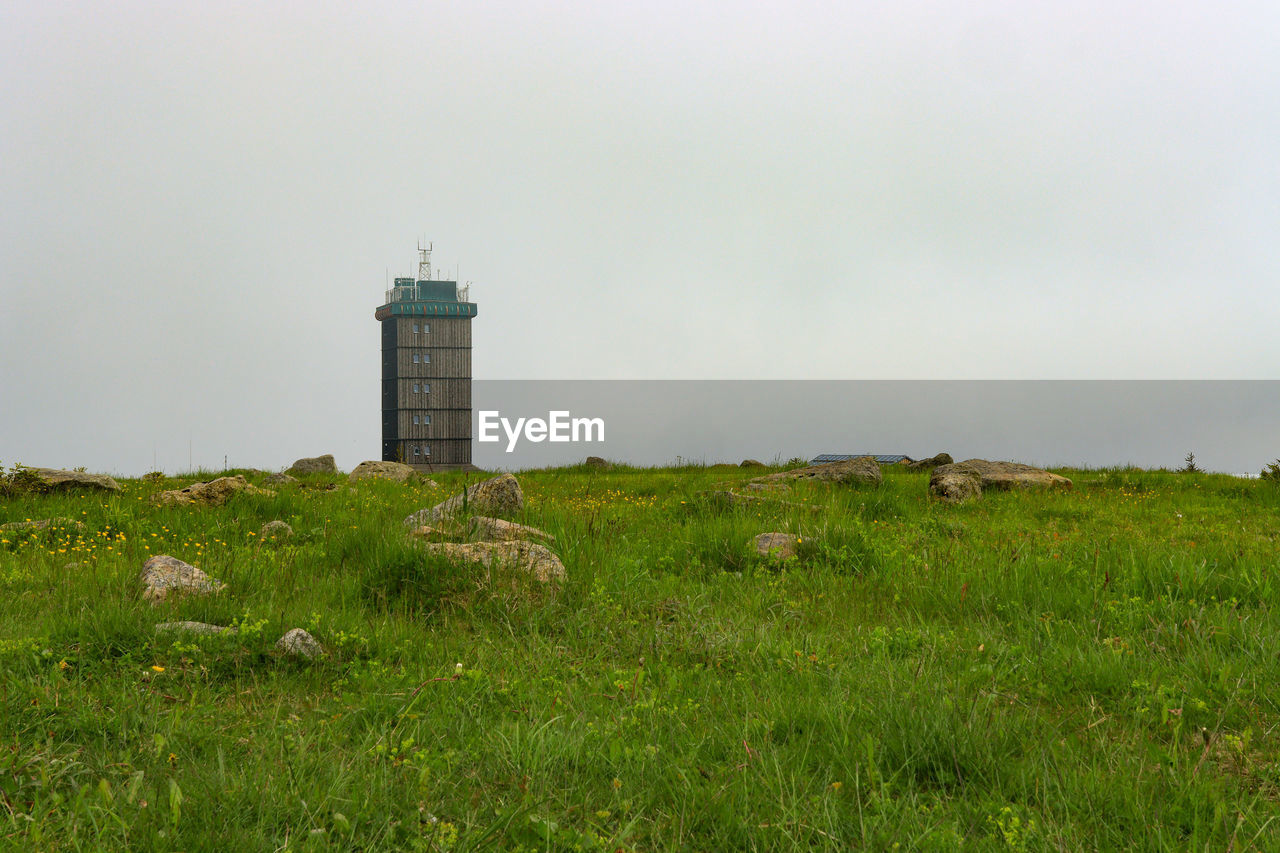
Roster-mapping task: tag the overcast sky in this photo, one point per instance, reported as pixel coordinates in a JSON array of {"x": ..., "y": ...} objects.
[{"x": 202, "y": 202}]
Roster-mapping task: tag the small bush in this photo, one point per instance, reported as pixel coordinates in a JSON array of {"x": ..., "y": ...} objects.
[
  {"x": 1271, "y": 473},
  {"x": 1189, "y": 465}
]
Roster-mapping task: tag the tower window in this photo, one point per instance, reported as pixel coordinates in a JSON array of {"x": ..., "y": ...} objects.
[
  {"x": 426, "y": 450},
  {"x": 416, "y": 419},
  {"x": 415, "y": 387},
  {"x": 426, "y": 358},
  {"x": 417, "y": 451},
  {"x": 426, "y": 419},
  {"x": 426, "y": 389},
  {"x": 426, "y": 328},
  {"x": 415, "y": 328},
  {"x": 415, "y": 358}
]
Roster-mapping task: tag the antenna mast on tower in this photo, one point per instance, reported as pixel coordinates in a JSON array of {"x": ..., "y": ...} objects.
[{"x": 424, "y": 262}]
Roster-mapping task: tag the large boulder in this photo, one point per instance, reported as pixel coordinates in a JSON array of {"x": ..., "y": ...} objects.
[
  {"x": 863, "y": 470},
  {"x": 313, "y": 465},
  {"x": 961, "y": 481},
  {"x": 597, "y": 462},
  {"x": 529, "y": 558},
  {"x": 750, "y": 463},
  {"x": 213, "y": 493},
  {"x": 57, "y": 480},
  {"x": 497, "y": 496},
  {"x": 164, "y": 576},
  {"x": 397, "y": 471},
  {"x": 930, "y": 463}
]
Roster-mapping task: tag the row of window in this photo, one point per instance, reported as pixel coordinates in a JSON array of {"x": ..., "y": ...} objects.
[
  {"x": 426, "y": 328},
  {"x": 422, "y": 420},
  {"x": 425, "y": 386},
  {"x": 426, "y": 358},
  {"x": 421, "y": 449}
]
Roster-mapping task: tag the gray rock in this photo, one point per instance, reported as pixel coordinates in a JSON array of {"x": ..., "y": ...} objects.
[
  {"x": 488, "y": 529},
  {"x": 275, "y": 530},
  {"x": 751, "y": 463},
  {"x": 213, "y": 493},
  {"x": 962, "y": 481},
  {"x": 497, "y": 496},
  {"x": 596, "y": 462},
  {"x": 42, "y": 524},
  {"x": 396, "y": 471},
  {"x": 192, "y": 628},
  {"x": 57, "y": 480},
  {"x": 529, "y": 558},
  {"x": 930, "y": 463},
  {"x": 313, "y": 465},
  {"x": 299, "y": 643},
  {"x": 164, "y": 576},
  {"x": 863, "y": 470},
  {"x": 278, "y": 480},
  {"x": 777, "y": 546}
]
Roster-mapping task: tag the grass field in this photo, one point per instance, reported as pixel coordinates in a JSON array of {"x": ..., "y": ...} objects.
[{"x": 1092, "y": 669}]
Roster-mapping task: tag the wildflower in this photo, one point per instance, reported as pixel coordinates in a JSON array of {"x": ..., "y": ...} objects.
[
  {"x": 836, "y": 786},
  {"x": 617, "y": 783},
  {"x": 155, "y": 667}
]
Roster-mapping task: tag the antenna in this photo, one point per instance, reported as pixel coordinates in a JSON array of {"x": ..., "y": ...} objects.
[{"x": 424, "y": 262}]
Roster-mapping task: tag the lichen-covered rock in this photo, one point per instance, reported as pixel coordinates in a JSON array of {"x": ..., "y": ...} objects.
[
  {"x": 537, "y": 561},
  {"x": 597, "y": 462},
  {"x": 777, "y": 546},
  {"x": 192, "y": 628},
  {"x": 497, "y": 496},
  {"x": 862, "y": 470},
  {"x": 278, "y": 480},
  {"x": 487, "y": 529},
  {"x": 313, "y": 465},
  {"x": 275, "y": 530},
  {"x": 164, "y": 576},
  {"x": 396, "y": 471},
  {"x": 750, "y": 463},
  {"x": 969, "y": 479},
  {"x": 57, "y": 480},
  {"x": 300, "y": 644},
  {"x": 213, "y": 493}
]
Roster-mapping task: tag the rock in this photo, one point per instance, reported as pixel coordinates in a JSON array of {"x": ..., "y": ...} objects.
[
  {"x": 969, "y": 479},
  {"x": 299, "y": 643},
  {"x": 192, "y": 628},
  {"x": 57, "y": 480},
  {"x": 766, "y": 487},
  {"x": 488, "y": 529},
  {"x": 314, "y": 465},
  {"x": 529, "y": 557},
  {"x": 275, "y": 530},
  {"x": 776, "y": 546},
  {"x": 597, "y": 462},
  {"x": 732, "y": 500},
  {"x": 163, "y": 575},
  {"x": 498, "y": 496},
  {"x": 930, "y": 463},
  {"x": 445, "y": 528},
  {"x": 279, "y": 480},
  {"x": 750, "y": 463},
  {"x": 397, "y": 471},
  {"x": 42, "y": 524},
  {"x": 861, "y": 470},
  {"x": 213, "y": 493}
]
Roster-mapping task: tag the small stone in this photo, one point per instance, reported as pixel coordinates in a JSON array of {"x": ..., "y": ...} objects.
[
  {"x": 192, "y": 628},
  {"x": 275, "y": 530},
  {"x": 300, "y": 643},
  {"x": 776, "y": 546},
  {"x": 278, "y": 480},
  {"x": 163, "y": 575},
  {"x": 751, "y": 463}
]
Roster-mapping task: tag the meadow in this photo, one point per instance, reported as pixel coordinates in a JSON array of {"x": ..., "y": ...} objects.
[{"x": 1096, "y": 668}]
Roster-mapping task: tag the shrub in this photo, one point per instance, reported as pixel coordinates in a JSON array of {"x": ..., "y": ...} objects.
[{"x": 1271, "y": 473}]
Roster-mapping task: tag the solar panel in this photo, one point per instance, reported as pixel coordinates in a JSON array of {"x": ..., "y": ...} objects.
[{"x": 882, "y": 458}]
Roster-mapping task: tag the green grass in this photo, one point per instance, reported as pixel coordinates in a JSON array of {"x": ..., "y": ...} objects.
[{"x": 1072, "y": 670}]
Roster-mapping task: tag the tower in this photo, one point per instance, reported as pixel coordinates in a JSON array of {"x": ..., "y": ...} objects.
[{"x": 426, "y": 371}]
